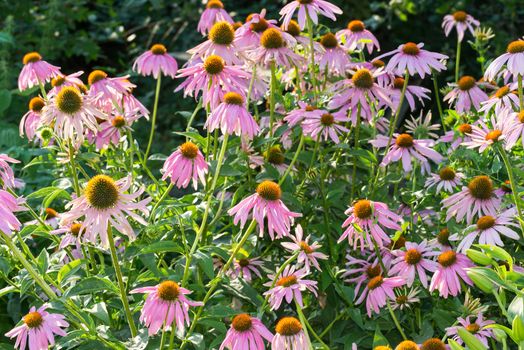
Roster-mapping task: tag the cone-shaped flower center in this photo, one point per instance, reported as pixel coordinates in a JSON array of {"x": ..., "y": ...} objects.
[
  {"x": 288, "y": 326},
  {"x": 327, "y": 119},
  {"x": 102, "y": 192},
  {"x": 306, "y": 248},
  {"x": 305, "y": 2},
  {"x": 75, "y": 228},
  {"x": 269, "y": 190},
  {"x": 356, "y": 26},
  {"x": 399, "y": 243},
  {"x": 242, "y": 323},
  {"x": 411, "y": 49},
  {"x": 233, "y": 98},
  {"x": 293, "y": 28},
  {"x": 433, "y": 344},
  {"x": 465, "y": 128},
  {"x": 493, "y": 135},
  {"x": 503, "y": 91},
  {"x": 460, "y": 16},
  {"x": 443, "y": 237},
  {"x": 168, "y": 290},
  {"x": 520, "y": 116},
  {"x": 275, "y": 155},
  {"x": 481, "y": 187},
  {"x": 407, "y": 345},
  {"x": 404, "y": 140},
  {"x": 214, "y": 64},
  {"x": 158, "y": 49},
  {"x": 31, "y": 57},
  {"x": 516, "y": 46},
  {"x": 272, "y": 38},
  {"x": 258, "y": 27},
  {"x": 287, "y": 281},
  {"x": 243, "y": 262},
  {"x": 189, "y": 150},
  {"x": 69, "y": 100},
  {"x": 378, "y": 63},
  {"x": 214, "y": 4},
  {"x": 375, "y": 282},
  {"x": 329, "y": 41},
  {"x": 118, "y": 121},
  {"x": 447, "y": 258},
  {"x": 473, "y": 328},
  {"x": 466, "y": 82},
  {"x": 373, "y": 271},
  {"x": 398, "y": 83},
  {"x": 222, "y": 33},
  {"x": 57, "y": 81},
  {"x": 36, "y": 104},
  {"x": 362, "y": 209},
  {"x": 447, "y": 174},
  {"x": 96, "y": 76},
  {"x": 485, "y": 222},
  {"x": 50, "y": 213},
  {"x": 363, "y": 79},
  {"x": 310, "y": 108},
  {"x": 412, "y": 256},
  {"x": 401, "y": 299},
  {"x": 33, "y": 319}
]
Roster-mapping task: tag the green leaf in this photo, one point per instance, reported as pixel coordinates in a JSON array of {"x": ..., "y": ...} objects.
[
  {"x": 99, "y": 310},
  {"x": 162, "y": 247},
  {"x": 43, "y": 261},
  {"x": 70, "y": 268},
  {"x": 378, "y": 337},
  {"x": 205, "y": 262},
  {"x": 92, "y": 285},
  {"x": 5, "y": 100},
  {"x": 454, "y": 345},
  {"x": 470, "y": 340}
]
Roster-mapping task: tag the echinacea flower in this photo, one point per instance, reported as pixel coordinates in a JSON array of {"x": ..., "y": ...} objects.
[
  {"x": 273, "y": 50},
  {"x": 412, "y": 58},
  {"x": 462, "y": 21},
  {"x": 6, "y": 173},
  {"x": 433, "y": 344},
  {"x": 31, "y": 120},
  {"x": 112, "y": 129},
  {"x": 307, "y": 253},
  {"x": 405, "y": 298},
  {"x": 308, "y": 8},
  {"x": 213, "y": 13},
  {"x": 517, "y": 127},
  {"x": 38, "y": 329},
  {"x": 61, "y": 81},
  {"x": 72, "y": 235},
  {"x": 221, "y": 42},
  {"x": 303, "y": 111},
  {"x": 264, "y": 205},
  {"x": 407, "y": 345},
  {"x": 246, "y": 267},
  {"x": 246, "y": 333},
  {"x": 488, "y": 230},
  {"x": 451, "y": 269},
  {"x": 512, "y": 60},
  {"x": 248, "y": 35},
  {"x": 107, "y": 91},
  {"x": 333, "y": 59},
  {"x": 477, "y": 328},
  {"x": 412, "y": 92},
  {"x": 8, "y": 206},
  {"x": 446, "y": 180},
  {"x": 360, "y": 271},
  {"x": 289, "y": 286},
  {"x": 36, "y": 71},
  {"x": 231, "y": 116},
  {"x": 289, "y": 335},
  {"x": 503, "y": 98},
  {"x": 415, "y": 260},
  {"x": 185, "y": 164},
  {"x": 405, "y": 148},
  {"x": 421, "y": 126},
  {"x": 166, "y": 304},
  {"x": 466, "y": 95},
  {"x": 103, "y": 203},
  {"x": 365, "y": 223},
  {"x": 326, "y": 126},
  {"x": 377, "y": 291},
  {"x": 356, "y": 36},
  {"x": 484, "y": 136},
  {"x": 458, "y": 136},
  {"x": 155, "y": 61}
]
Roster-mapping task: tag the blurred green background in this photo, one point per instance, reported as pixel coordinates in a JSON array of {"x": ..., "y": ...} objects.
[{"x": 110, "y": 34}]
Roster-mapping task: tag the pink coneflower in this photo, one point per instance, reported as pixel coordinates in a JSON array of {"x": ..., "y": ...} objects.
[
  {"x": 356, "y": 36},
  {"x": 415, "y": 260},
  {"x": 405, "y": 298},
  {"x": 72, "y": 235},
  {"x": 114, "y": 128},
  {"x": 71, "y": 113},
  {"x": 232, "y": 117},
  {"x": 289, "y": 335},
  {"x": 370, "y": 217},
  {"x": 360, "y": 271},
  {"x": 458, "y": 136},
  {"x": 221, "y": 42},
  {"x": 503, "y": 98},
  {"x": 333, "y": 59},
  {"x": 213, "y": 13},
  {"x": 516, "y": 119},
  {"x": 326, "y": 126},
  {"x": 248, "y": 35},
  {"x": 512, "y": 60},
  {"x": 421, "y": 126},
  {"x": 462, "y": 22},
  {"x": 290, "y": 284},
  {"x": 246, "y": 333},
  {"x": 377, "y": 291},
  {"x": 304, "y": 111},
  {"x": 107, "y": 91},
  {"x": 451, "y": 267},
  {"x": 446, "y": 180},
  {"x": 155, "y": 61},
  {"x": 484, "y": 136},
  {"x": 104, "y": 203},
  {"x": 273, "y": 50},
  {"x": 6, "y": 173},
  {"x": 488, "y": 230},
  {"x": 309, "y": 8},
  {"x": 131, "y": 103},
  {"x": 213, "y": 79},
  {"x": 246, "y": 267},
  {"x": 359, "y": 90},
  {"x": 36, "y": 71},
  {"x": 31, "y": 120},
  {"x": 8, "y": 206},
  {"x": 294, "y": 30},
  {"x": 166, "y": 303},
  {"x": 185, "y": 164},
  {"x": 466, "y": 95},
  {"x": 61, "y": 81},
  {"x": 477, "y": 198},
  {"x": 412, "y": 92},
  {"x": 414, "y": 59},
  {"x": 477, "y": 328},
  {"x": 404, "y": 148},
  {"x": 307, "y": 253},
  {"x": 265, "y": 204}
]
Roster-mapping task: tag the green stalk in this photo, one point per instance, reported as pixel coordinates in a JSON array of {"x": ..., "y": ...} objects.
[
  {"x": 272, "y": 100},
  {"x": 312, "y": 53},
  {"x": 521, "y": 95},
  {"x": 42, "y": 90},
  {"x": 397, "y": 113},
  {"x": 153, "y": 118},
  {"x": 195, "y": 112},
  {"x": 457, "y": 63},
  {"x": 397, "y": 324},
  {"x": 355, "y": 157},
  {"x": 437, "y": 98},
  {"x": 303, "y": 322},
  {"x": 294, "y": 160},
  {"x": 73, "y": 168},
  {"x": 160, "y": 200},
  {"x": 251, "y": 83},
  {"x": 512, "y": 182}
]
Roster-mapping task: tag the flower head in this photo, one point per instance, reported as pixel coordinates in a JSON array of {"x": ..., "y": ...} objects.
[
  {"x": 445, "y": 180},
  {"x": 325, "y": 126},
  {"x": 185, "y": 164},
  {"x": 289, "y": 335},
  {"x": 311, "y": 8},
  {"x": 416, "y": 259},
  {"x": 377, "y": 291},
  {"x": 451, "y": 269},
  {"x": 8, "y": 206},
  {"x": 246, "y": 333},
  {"x": 232, "y": 117},
  {"x": 462, "y": 21},
  {"x": 246, "y": 267},
  {"x": 307, "y": 252},
  {"x": 333, "y": 59},
  {"x": 466, "y": 95},
  {"x": 6, "y": 173},
  {"x": 484, "y": 136},
  {"x": 290, "y": 284},
  {"x": 273, "y": 49},
  {"x": 155, "y": 61},
  {"x": 30, "y": 122},
  {"x": 357, "y": 37},
  {"x": 214, "y": 12},
  {"x": 512, "y": 60},
  {"x": 221, "y": 42},
  {"x": 36, "y": 71},
  {"x": 477, "y": 328}
]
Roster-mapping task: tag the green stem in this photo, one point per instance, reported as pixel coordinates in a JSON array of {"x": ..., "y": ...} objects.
[
  {"x": 294, "y": 160},
  {"x": 355, "y": 157},
  {"x": 121, "y": 286},
  {"x": 42, "y": 90},
  {"x": 311, "y": 53},
  {"x": 397, "y": 112},
  {"x": 457, "y": 63},
  {"x": 160, "y": 200},
  {"x": 521, "y": 95},
  {"x": 397, "y": 324},
  {"x": 512, "y": 182},
  {"x": 272, "y": 100},
  {"x": 303, "y": 321},
  {"x": 326, "y": 330},
  {"x": 153, "y": 118},
  {"x": 195, "y": 112},
  {"x": 251, "y": 83},
  {"x": 172, "y": 336},
  {"x": 73, "y": 168},
  {"x": 437, "y": 99}
]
